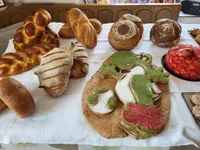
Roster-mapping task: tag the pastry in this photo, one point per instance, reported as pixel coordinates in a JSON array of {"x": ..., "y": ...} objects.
[
  {"x": 165, "y": 33},
  {"x": 102, "y": 101},
  {"x": 195, "y": 99},
  {"x": 16, "y": 97},
  {"x": 196, "y": 111},
  {"x": 80, "y": 66},
  {"x": 3, "y": 106},
  {"x": 82, "y": 28},
  {"x": 197, "y": 39},
  {"x": 183, "y": 60},
  {"x": 54, "y": 71},
  {"x": 33, "y": 27},
  {"x": 134, "y": 19},
  {"x": 21, "y": 61},
  {"x": 67, "y": 32},
  {"x": 194, "y": 32},
  {"x": 138, "y": 86},
  {"x": 124, "y": 35}
]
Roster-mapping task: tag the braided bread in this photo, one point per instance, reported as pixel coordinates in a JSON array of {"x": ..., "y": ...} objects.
[
  {"x": 67, "y": 32},
  {"x": 21, "y": 61},
  {"x": 33, "y": 27}
]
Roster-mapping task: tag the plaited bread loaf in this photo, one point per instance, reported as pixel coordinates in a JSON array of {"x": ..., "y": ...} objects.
[
  {"x": 19, "y": 62},
  {"x": 16, "y": 97},
  {"x": 124, "y": 35},
  {"x": 82, "y": 28},
  {"x": 54, "y": 71},
  {"x": 33, "y": 27},
  {"x": 67, "y": 32},
  {"x": 80, "y": 66}
]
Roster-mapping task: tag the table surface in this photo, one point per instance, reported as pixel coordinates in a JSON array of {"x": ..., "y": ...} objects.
[{"x": 61, "y": 120}]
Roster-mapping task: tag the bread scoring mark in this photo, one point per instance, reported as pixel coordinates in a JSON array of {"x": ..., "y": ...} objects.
[
  {"x": 63, "y": 65},
  {"x": 46, "y": 63},
  {"x": 53, "y": 53},
  {"x": 167, "y": 29},
  {"x": 55, "y": 76},
  {"x": 120, "y": 34}
]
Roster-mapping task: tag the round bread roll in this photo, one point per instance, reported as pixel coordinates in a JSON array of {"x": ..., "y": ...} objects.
[
  {"x": 124, "y": 35},
  {"x": 96, "y": 24},
  {"x": 165, "y": 33},
  {"x": 134, "y": 19},
  {"x": 16, "y": 97}
]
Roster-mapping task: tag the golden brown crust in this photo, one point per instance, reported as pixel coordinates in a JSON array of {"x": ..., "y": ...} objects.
[
  {"x": 82, "y": 28},
  {"x": 3, "y": 106},
  {"x": 123, "y": 45},
  {"x": 67, "y": 32},
  {"x": 109, "y": 125},
  {"x": 16, "y": 97},
  {"x": 165, "y": 33},
  {"x": 33, "y": 27}
]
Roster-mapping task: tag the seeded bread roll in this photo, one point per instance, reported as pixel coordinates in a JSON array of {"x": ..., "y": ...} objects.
[
  {"x": 134, "y": 19},
  {"x": 124, "y": 35},
  {"x": 16, "y": 97}
]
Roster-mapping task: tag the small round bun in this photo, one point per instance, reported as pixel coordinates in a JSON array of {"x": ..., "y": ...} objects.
[
  {"x": 16, "y": 97},
  {"x": 165, "y": 33},
  {"x": 134, "y": 19},
  {"x": 96, "y": 24},
  {"x": 124, "y": 35}
]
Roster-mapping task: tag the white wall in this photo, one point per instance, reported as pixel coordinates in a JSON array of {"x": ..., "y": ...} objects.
[{"x": 47, "y": 1}]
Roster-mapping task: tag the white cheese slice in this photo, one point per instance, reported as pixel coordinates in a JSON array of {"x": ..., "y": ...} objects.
[
  {"x": 100, "y": 107},
  {"x": 122, "y": 87}
]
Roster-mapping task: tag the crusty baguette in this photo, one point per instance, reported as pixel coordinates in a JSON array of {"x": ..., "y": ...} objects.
[
  {"x": 16, "y": 97},
  {"x": 82, "y": 28},
  {"x": 67, "y": 32}
]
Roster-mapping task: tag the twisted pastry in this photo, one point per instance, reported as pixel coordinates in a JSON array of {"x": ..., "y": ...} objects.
[
  {"x": 33, "y": 27},
  {"x": 21, "y": 61}
]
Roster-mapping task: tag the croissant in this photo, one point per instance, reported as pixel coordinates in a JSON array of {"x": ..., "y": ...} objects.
[
  {"x": 21, "y": 61},
  {"x": 80, "y": 66},
  {"x": 54, "y": 71},
  {"x": 82, "y": 28},
  {"x": 67, "y": 32},
  {"x": 33, "y": 27}
]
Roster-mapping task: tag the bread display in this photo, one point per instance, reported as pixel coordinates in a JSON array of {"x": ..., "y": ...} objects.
[
  {"x": 21, "y": 61},
  {"x": 82, "y": 28},
  {"x": 67, "y": 32},
  {"x": 140, "y": 89},
  {"x": 184, "y": 61},
  {"x": 80, "y": 66},
  {"x": 124, "y": 35},
  {"x": 33, "y": 27},
  {"x": 165, "y": 33},
  {"x": 16, "y": 97},
  {"x": 54, "y": 71}
]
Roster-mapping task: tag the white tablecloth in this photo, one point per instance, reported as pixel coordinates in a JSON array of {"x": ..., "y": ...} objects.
[{"x": 60, "y": 120}]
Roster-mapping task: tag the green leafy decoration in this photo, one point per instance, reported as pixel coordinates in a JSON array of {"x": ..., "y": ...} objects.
[{"x": 106, "y": 147}]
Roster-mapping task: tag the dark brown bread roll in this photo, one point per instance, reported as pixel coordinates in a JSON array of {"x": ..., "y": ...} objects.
[{"x": 165, "y": 33}]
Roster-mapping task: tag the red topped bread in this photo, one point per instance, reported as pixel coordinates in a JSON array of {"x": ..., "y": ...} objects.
[{"x": 184, "y": 61}]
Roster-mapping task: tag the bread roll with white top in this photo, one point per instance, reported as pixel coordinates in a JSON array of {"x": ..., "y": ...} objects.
[
  {"x": 124, "y": 35},
  {"x": 54, "y": 71}
]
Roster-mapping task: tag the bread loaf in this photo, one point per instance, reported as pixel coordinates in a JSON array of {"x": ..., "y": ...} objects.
[
  {"x": 16, "y": 97},
  {"x": 165, "y": 33},
  {"x": 80, "y": 66},
  {"x": 21, "y": 61},
  {"x": 54, "y": 71},
  {"x": 33, "y": 27},
  {"x": 67, "y": 32},
  {"x": 82, "y": 28}
]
